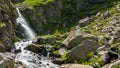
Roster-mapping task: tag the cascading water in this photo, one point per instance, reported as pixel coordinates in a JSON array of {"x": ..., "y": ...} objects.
[
  {"x": 32, "y": 60},
  {"x": 29, "y": 33}
]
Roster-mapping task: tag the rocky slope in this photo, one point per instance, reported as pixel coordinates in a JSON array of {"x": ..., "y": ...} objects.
[
  {"x": 80, "y": 33},
  {"x": 94, "y": 39}
]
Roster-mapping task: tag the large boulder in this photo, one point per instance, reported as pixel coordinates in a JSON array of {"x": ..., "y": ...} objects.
[
  {"x": 75, "y": 66},
  {"x": 37, "y": 49},
  {"x": 76, "y": 37},
  {"x": 7, "y": 60},
  {"x": 81, "y": 51}
]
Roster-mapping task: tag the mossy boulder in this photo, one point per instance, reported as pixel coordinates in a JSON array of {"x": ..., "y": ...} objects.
[
  {"x": 77, "y": 37},
  {"x": 81, "y": 50}
]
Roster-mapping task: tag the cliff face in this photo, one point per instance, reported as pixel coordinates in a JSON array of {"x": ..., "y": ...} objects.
[
  {"x": 7, "y": 21},
  {"x": 62, "y": 13}
]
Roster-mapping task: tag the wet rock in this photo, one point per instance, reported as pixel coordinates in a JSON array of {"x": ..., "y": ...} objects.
[
  {"x": 81, "y": 50},
  {"x": 17, "y": 51},
  {"x": 57, "y": 61},
  {"x": 40, "y": 40},
  {"x": 37, "y": 49},
  {"x": 20, "y": 32},
  {"x": 76, "y": 37},
  {"x": 19, "y": 63},
  {"x": 1, "y": 56},
  {"x": 8, "y": 54},
  {"x": 75, "y": 66}
]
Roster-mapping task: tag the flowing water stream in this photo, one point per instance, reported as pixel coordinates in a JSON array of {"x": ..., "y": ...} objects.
[{"x": 32, "y": 60}]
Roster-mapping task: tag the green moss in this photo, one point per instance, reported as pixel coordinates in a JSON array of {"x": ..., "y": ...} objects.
[
  {"x": 64, "y": 57},
  {"x": 37, "y": 2},
  {"x": 2, "y": 24},
  {"x": 55, "y": 53},
  {"x": 15, "y": 39}
]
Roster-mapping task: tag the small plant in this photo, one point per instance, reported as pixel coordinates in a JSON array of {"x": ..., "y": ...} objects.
[
  {"x": 2, "y": 25},
  {"x": 64, "y": 57}
]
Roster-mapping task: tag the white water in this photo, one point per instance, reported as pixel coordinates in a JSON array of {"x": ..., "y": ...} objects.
[
  {"x": 29, "y": 33},
  {"x": 32, "y": 60}
]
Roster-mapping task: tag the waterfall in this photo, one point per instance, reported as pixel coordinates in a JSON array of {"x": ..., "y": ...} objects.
[
  {"x": 29, "y": 58},
  {"x": 29, "y": 33}
]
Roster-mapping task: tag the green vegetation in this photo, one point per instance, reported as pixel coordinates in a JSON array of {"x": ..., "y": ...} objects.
[
  {"x": 15, "y": 39},
  {"x": 37, "y": 2},
  {"x": 98, "y": 23},
  {"x": 2, "y": 24},
  {"x": 64, "y": 57},
  {"x": 116, "y": 66},
  {"x": 91, "y": 60}
]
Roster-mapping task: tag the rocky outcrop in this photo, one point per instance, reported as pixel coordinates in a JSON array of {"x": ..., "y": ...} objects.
[
  {"x": 81, "y": 50},
  {"x": 77, "y": 37},
  {"x": 7, "y": 20},
  {"x": 57, "y": 13},
  {"x": 75, "y": 66},
  {"x": 41, "y": 15}
]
